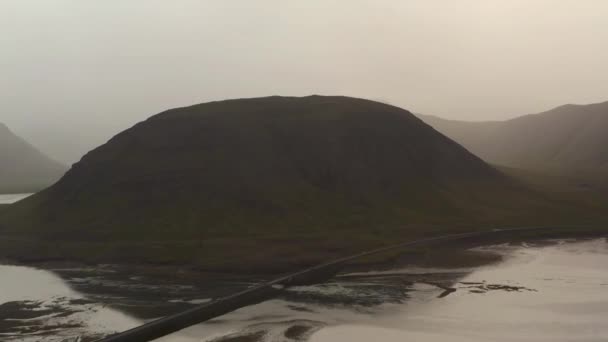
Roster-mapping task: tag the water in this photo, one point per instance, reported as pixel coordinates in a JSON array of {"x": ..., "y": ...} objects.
[
  {"x": 556, "y": 292},
  {"x": 12, "y": 198},
  {"x": 37, "y": 305},
  {"x": 562, "y": 295}
]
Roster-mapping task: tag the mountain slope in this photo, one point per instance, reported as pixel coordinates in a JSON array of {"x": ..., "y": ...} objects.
[
  {"x": 23, "y": 168},
  {"x": 569, "y": 139},
  {"x": 263, "y": 181}
]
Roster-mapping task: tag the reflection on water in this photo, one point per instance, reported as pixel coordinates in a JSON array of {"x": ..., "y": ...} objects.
[
  {"x": 555, "y": 292},
  {"x": 551, "y": 293},
  {"x": 37, "y": 305},
  {"x": 12, "y": 198}
]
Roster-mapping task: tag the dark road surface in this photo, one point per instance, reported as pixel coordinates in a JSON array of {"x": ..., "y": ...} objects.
[{"x": 317, "y": 274}]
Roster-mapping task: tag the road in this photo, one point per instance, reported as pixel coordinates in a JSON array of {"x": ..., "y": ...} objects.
[{"x": 317, "y": 274}]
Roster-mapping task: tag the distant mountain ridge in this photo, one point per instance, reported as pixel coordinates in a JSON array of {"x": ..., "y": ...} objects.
[
  {"x": 23, "y": 168},
  {"x": 571, "y": 139}
]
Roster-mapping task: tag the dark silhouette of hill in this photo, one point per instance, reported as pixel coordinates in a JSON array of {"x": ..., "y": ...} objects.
[
  {"x": 570, "y": 139},
  {"x": 264, "y": 182},
  {"x": 23, "y": 168}
]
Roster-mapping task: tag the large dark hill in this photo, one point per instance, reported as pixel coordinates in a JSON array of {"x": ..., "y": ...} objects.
[
  {"x": 266, "y": 179},
  {"x": 22, "y": 167},
  {"x": 570, "y": 139},
  {"x": 233, "y": 149}
]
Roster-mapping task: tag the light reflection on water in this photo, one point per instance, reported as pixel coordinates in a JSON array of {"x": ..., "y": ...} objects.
[
  {"x": 12, "y": 198},
  {"x": 552, "y": 293},
  {"x": 569, "y": 302},
  {"x": 46, "y": 309}
]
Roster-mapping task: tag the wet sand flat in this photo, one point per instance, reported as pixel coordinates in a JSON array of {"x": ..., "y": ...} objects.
[{"x": 549, "y": 291}]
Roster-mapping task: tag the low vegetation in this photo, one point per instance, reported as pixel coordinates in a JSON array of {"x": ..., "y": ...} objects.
[{"x": 271, "y": 184}]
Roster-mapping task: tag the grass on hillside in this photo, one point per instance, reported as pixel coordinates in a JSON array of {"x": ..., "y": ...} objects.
[
  {"x": 247, "y": 241},
  {"x": 276, "y": 184},
  {"x": 239, "y": 245}
]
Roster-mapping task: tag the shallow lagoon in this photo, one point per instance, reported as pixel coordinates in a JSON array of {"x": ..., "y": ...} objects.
[
  {"x": 550, "y": 292},
  {"x": 12, "y": 198}
]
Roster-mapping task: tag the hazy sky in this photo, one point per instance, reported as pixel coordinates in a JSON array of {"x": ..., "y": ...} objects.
[{"x": 73, "y": 73}]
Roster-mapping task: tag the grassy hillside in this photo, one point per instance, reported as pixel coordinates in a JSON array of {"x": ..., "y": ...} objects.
[
  {"x": 569, "y": 140},
  {"x": 23, "y": 167},
  {"x": 268, "y": 183}
]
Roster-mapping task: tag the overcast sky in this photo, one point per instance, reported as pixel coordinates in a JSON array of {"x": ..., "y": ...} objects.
[{"x": 73, "y": 73}]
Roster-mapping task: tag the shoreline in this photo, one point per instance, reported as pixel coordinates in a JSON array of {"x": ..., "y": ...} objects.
[
  {"x": 447, "y": 254},
  {"x": 442, "y": 267}
]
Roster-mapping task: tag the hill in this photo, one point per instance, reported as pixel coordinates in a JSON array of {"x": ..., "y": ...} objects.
[
  {"x": 264, "y": 182},
  {"x": 569, "y": 140},
  {"x": 23, "y": 167}
]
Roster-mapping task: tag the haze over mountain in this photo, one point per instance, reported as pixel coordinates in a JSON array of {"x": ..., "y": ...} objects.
[
  {"x": 570, "y": 139},
  {"x": 102, "y": 67},
  {"x": 22, "y": 167},
  {"x": 233, "y": 175}
]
